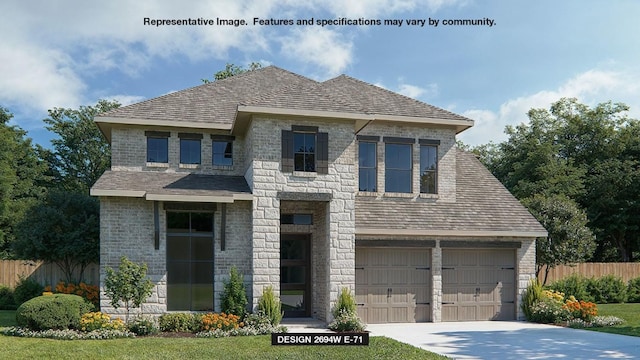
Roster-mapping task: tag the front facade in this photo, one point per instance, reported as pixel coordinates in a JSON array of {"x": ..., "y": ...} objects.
[{"x": 310, "y": 187}]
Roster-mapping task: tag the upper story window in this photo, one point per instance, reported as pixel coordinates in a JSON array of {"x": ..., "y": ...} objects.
[
  {"x": 367, "y": 163},
  {"x": 222, "y": 149},
  {"x": 157, "y": 146},
  {"x": 429, "y": 166},
  {"x": 398, "y": 164},
  {"x": 305, "y": 149},
  {"x": 190, "y": 148}
]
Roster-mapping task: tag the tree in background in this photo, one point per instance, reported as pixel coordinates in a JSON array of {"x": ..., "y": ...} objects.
[
  {"x": 64, "y": 229},
  {"x": 22, "y": 179},
  {"x": 233, "y": 70},
  {"x": 588, "y": 154},
  {"x": 81, "y": 153},
  {"x": 569, "y": 240}
]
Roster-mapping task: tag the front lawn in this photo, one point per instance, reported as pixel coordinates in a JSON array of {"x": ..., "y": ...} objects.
[
  {"x": 629, "y": 312},
  {"x": 246, "y": 347}
]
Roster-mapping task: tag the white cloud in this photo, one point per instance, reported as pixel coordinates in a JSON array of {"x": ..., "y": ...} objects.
[
  {"x": 125, "y": 100},
  {"x": 319, "y": 46},
  {"x": 413, "y": 91},
  {"x": 38, "y": 78},
  {"x": 50, "y": 48},
  {"x": 591, "y": 87}
]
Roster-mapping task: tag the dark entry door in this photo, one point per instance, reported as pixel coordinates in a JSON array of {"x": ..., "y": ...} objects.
[{"x": 295, "y": 275}]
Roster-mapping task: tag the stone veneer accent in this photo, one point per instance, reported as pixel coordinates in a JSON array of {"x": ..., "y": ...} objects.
[{"x": 264, "y": 139}]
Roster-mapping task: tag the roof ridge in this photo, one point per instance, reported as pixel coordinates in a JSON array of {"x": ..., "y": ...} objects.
[{"x": 396, "y": 94}]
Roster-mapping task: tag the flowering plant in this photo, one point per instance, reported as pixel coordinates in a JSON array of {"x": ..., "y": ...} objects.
[
  {"x": 221, "y": 321},
  {"x": 97, "y": 320}
]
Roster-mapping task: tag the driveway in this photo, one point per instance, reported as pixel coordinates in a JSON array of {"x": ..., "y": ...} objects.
[{"x": 510, "y": 340}]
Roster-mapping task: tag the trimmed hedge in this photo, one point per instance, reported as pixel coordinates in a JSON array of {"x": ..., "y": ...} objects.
[
  {"x": 180, "y": 322},
  {"x": 59, "y": 311},
  {"x": 7, "y": 302}
]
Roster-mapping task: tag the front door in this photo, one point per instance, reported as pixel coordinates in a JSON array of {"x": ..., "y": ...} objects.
[{"x": 295, "y": 275}]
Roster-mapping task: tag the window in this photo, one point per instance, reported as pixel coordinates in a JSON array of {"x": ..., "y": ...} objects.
[
  {"x": 367, "y": 163},
  {"x": 428, "y": 169},
  {"x": 189, "y": 261},
  {"x": 398, "y": 168},
  {"x": 157, "y": 150},
  {"x": 296, "y": 219},
  {"x": 222, "y": 153},
  {"x": 305, "y": 149},
  {"x": 157, "y": 146},
  {"x": 189, "y": 151}
]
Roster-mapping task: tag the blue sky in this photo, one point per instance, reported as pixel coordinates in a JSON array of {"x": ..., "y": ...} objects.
[{"x": 69, "y": 53}]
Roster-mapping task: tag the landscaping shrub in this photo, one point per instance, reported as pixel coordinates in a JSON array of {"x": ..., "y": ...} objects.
[
  {"x": 26, "y": 289},
  {"x": 143, "y": 326},
  {"x": 234, "y": 295},
  {"x": 347, "y": 321},
  {"x": 90, "y": 292},
  {"x": 59, "y": 311},
  {"x": 345, "y": 303},
  {"x": 97, "y": 321},
  {"x": 345, "y": 313},
  {"x": 530, "y": 297},
  {"x": 633, "y": 290},
  {"x": 269, "y": 305},
  {"x": 573, "y": 285},
  {"x": 222, "y": 321},
  {"x": 7, "y": 302},
  {"x": 608, "y": 289},
  {"x": 180, "y": 322},
  {"x": 579, "y": 309}
]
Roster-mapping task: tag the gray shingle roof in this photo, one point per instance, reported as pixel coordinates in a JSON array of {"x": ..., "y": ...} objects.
[
  {"x": 482, "y": 204},
  {"x": 273, "y": 87},
  {"x": 161, "y": 183}
]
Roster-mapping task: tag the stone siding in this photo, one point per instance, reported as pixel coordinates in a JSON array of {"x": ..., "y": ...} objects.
[{"x": 339, "y": 183}]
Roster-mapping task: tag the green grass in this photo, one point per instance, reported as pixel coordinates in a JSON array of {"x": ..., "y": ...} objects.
[
  {"x": 629, "y": 312},
  {"x": 248, "y": 347}
]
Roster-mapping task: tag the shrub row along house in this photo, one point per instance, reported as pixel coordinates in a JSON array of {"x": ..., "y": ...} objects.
[{"x": 311, "y": 187}]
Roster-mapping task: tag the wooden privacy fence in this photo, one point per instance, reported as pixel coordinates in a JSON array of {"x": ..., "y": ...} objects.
[
  {"x": 626, "y": 271},
  {"x": 43, "y": 273}
]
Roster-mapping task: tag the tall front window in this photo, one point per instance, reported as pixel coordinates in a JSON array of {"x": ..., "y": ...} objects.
[
  {"x": 367, "y": 163},
  {"x": 189, "y": 261},
  {"x": 190, "y": 151},
  {"x": 397, "y": 168},
  {"x": 428, "y": 169},
  {"x": 304, "y": 151},
  {"x": 157, "y": 149}
]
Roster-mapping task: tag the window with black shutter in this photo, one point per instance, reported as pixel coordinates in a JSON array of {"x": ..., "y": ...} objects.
[{"x": 305, "y": 149}]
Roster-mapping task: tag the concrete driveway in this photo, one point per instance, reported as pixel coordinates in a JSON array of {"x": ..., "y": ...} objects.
[{"x": 510, "y": 340}]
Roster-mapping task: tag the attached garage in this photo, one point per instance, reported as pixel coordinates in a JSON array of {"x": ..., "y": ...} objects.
[
  {"x": 478, "y": 284},
  {"x": 393, "y": 284}
]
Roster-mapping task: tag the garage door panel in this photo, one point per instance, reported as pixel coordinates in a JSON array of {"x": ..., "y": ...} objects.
[
  {"x": 480, "y": 284},
  {"x": 397, "y": 283},
  {"x": 467, "y": 276}
]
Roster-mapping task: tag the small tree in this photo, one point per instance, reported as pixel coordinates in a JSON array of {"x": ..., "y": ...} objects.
[
  {"x": 269, "y": 304},
  {"x": 234, "y": 294},
  {"x": 129, "y": 285}
]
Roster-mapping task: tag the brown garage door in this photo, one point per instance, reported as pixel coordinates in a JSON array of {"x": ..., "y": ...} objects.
[
  {"x": 393, "y": 284},
  {"x": 478, "y": 284}
]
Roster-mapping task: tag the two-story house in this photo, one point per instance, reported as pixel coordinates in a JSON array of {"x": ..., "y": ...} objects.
[{"x": 311, "y": 187}]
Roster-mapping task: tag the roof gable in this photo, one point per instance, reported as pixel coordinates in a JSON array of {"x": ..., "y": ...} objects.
[{"x": 273, "y": 90}]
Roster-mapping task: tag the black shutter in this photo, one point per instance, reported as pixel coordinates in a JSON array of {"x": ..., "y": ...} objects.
[
  {"x": 287, "y": 151},
  {"x": 322, "y": 157}
]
